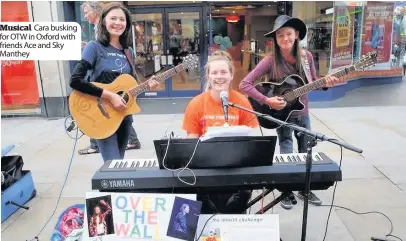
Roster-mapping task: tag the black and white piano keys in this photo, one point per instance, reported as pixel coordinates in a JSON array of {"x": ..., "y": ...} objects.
[
  {"x": 287, "y": 173},
  {"x": 133, "y": 163},
  {"x": 298, "y": 158}
]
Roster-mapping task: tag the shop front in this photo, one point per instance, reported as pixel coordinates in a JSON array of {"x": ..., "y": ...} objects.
[
  {"x": 163, "y": 36},
  {"x": 341, "y": 33},
  {"x": 165, "y": 32},
  {"x": 19, "y": 89}
]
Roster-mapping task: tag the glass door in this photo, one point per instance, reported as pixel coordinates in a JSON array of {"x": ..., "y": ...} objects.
[
  {"x": 148, "y": 43},
  {"x": 162, "y": 38},
  {"x": 184, "y": 38}
]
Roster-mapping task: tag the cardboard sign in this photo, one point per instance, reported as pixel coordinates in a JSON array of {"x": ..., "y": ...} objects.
[
  {"x": 258, "y": 227},
  {"x": 129, "y": 216}
]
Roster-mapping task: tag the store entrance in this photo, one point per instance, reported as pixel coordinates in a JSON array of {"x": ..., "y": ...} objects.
[{"x": 162, "y": 37}]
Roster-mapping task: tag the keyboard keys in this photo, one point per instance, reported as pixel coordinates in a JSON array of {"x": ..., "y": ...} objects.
[
  {"x": 296, "y": 158},
  {"x": 133, "y": 163}
]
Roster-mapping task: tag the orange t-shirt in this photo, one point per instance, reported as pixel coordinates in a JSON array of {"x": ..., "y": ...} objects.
[{"x": 204, "y": 111}]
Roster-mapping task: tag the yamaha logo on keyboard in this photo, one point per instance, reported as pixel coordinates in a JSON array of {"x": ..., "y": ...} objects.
[{"x": 117, "y": 183}]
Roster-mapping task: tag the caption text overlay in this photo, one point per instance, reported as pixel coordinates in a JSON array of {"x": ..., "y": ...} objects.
[{"x": 40, "y": 41}]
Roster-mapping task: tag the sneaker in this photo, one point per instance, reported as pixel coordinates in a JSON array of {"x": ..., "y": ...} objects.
[
  {"x": 286, "y": 203},
  {"x": 313, "y": 199}
]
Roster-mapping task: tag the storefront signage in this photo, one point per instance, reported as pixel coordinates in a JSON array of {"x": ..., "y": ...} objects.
[
  {"x": 343, "y": 36},
  {"x": 377, "y": 32}
]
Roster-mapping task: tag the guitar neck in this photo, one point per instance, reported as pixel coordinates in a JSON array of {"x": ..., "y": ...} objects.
[
  {"x": 317, "y": 84},
  {"x": 160, "y": 78}
]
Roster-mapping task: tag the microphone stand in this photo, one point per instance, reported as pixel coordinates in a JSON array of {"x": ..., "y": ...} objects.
[{"x": 313, "y": 138}]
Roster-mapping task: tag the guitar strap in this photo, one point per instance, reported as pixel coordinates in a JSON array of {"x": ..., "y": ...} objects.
[
  {"x": 305, "y": 65},
  {"x": 131, "y": 60}
]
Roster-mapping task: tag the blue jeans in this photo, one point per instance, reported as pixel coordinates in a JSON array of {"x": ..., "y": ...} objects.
[
  {"x": 113, "y": 147},
  {"x": 285, "y": 135},
  {"x": 132, "y": 139}
]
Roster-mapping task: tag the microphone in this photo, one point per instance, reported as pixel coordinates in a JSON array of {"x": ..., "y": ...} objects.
[{"x": 224, "y": 103}]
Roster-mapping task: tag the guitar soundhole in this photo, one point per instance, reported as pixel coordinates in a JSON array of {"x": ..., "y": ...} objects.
[{"x": 124, "y": 95}]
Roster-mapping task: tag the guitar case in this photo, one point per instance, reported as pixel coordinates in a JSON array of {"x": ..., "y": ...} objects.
[
  {"x": 264, "y": 108},
  {"x": 11, "y": 170},
  {"x": 17, "y": 185}
]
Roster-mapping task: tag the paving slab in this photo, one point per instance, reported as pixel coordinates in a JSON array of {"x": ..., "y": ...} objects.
[
  {"x": 374, "y": 225},
  {"x": 316, "y": 222},
  {"x": 402, "y": 187}
]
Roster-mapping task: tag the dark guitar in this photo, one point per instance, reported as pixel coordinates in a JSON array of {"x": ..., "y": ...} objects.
[{"x": 293, "y": 87}]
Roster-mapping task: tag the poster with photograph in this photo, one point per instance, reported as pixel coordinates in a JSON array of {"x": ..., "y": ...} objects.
[
  {"x": 377, "y": 34},
  {"x": 238, "y": 227},
  {"x": 129, "y": 216},
  {"x": 343, "y": 36}
]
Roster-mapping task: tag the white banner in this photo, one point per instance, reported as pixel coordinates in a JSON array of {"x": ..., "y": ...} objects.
[{"x": 238, "y": 227}]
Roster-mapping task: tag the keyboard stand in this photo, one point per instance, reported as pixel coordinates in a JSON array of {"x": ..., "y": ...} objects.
[{"x": 271, "y": 204}]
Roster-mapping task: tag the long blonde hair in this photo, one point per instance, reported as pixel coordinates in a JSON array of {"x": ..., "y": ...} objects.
[{"x": 218, "y": 55}]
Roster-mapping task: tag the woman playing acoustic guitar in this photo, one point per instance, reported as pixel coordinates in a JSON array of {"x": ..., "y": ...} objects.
[
  {"x": 106, "y": 59},
  {"x": 284, "y": 61}
]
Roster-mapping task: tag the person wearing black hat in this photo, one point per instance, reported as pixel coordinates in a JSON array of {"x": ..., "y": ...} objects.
[{"x": 282, "y": 62}]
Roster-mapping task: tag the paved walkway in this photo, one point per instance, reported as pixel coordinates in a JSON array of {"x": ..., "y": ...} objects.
[{"x": 373, "y": 181}]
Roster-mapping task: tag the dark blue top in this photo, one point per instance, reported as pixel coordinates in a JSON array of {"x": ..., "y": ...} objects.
[
  {"x": 106, "y": 59},
  {"x": 102, "y": 64}
]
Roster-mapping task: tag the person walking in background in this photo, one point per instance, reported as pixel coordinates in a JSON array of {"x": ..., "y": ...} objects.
[{"x": 92, "y": 11}]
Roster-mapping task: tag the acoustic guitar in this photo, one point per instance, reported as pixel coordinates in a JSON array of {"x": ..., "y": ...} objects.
[
  {"x": 293, "y": 87},
  {"x": 98, "y": 119}
]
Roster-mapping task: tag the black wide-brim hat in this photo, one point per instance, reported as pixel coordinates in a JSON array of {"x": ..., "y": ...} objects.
[{"x": 287, "y": 21}]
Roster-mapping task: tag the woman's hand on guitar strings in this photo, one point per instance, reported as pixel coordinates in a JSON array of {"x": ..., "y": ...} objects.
[
  {"x": 332, "y": 80},
  {"x": 152, "y": 82},
  {"x": 276, "y": 102},
  {"x": 117, "y": 101}
]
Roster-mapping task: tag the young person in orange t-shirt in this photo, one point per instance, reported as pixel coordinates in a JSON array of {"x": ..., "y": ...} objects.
[{"x": 205, "y": 110}]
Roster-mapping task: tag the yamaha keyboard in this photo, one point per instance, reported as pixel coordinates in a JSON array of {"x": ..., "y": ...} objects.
[{"x": 287, "y": 173}]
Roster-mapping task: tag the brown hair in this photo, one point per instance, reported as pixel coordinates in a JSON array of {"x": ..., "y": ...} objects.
[
  {"x": 219, "y": 55},
  {"x": 103, "y": 35},
  {"x": 276, "y": 53}
]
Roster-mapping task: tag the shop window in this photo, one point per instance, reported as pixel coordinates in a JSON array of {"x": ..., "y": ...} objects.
[
  {"x": 19, "y": 90},
  {"x": 318, "y": 18},
  {"x": 378, "y": 33},
  {"x": 340, "y": 33},
  {"x": 399, "y": 34},
  {"x": 240, "y": 29},
  {"x": 228, "y": 35},
  {"x": 87, "y": 28}
]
